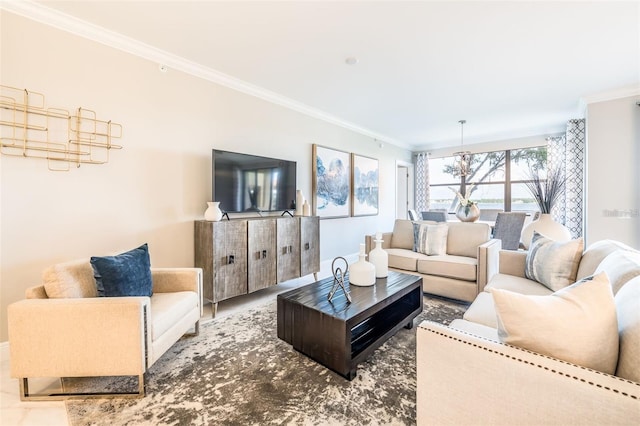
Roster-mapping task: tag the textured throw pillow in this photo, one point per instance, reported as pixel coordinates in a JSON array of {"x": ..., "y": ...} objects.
[
  {"x": 70, "y": 279},
  {"x": 126, "y": 274},
  {"x": 553, "y": 263},
  {"x": 430, "y": 239},
  {"x": 577, "y": 324}
]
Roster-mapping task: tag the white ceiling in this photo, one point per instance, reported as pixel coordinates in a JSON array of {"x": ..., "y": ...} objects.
[{"x": 511, "y": 69}]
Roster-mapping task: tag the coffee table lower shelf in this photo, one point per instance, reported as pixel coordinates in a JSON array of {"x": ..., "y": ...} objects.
[{"x": 340, "y": 335}]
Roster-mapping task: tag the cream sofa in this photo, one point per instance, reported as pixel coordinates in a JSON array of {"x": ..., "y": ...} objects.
[
  {"x": 471, "y": 257},
  {"x": 466, "y": 376},
  {"x": 62, "y": 329}
]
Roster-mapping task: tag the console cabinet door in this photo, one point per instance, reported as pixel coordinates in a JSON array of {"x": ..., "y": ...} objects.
[
  {"x": 288, "y": 242},
  {"x": 262, "y": 254},
  {"x": 309, "y": 245},
  {"x": 230, "y": 259}
]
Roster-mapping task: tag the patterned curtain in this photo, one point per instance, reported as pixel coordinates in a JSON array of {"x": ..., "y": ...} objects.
[
  {"x": 567, "y": 153},
  {"x": 422, "y": 194}
]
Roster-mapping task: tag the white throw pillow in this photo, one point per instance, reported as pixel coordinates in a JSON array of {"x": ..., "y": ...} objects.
[
  {"x": 553, "y": 263},
  {"x": 577, "y": 324},
  {"x": 430, "y": 239}
]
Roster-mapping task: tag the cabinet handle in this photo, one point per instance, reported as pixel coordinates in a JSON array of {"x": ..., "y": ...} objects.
[
  {"x": 290, "y": 249},
  {"x": 231, "y": 259},
  {"x": 306, "y": 246},
  {"x": 264, "y": 254}
]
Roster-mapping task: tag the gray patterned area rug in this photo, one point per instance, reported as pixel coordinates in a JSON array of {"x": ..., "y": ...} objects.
[{"x": 237, "y": 372}]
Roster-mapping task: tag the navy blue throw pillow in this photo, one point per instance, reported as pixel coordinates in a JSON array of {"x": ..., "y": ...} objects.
[{"x": 126, "y": 274}]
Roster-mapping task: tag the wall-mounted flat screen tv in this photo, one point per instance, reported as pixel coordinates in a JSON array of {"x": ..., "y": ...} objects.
[{"x": 250, "y": 183}]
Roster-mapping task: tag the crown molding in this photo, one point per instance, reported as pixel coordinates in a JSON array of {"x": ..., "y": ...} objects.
[
  {"x": 62, "y": 21},
  {"x": 609, "y": 95}
]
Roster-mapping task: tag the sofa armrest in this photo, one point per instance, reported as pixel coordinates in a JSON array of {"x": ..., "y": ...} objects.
[
  {"x": 466, "y": 379},
  {"x": 169, "y": 280},
  {"x": 513, "y": 262},
  {"x": 488, "y": 261},
  {"x": 78, "y": 337}
]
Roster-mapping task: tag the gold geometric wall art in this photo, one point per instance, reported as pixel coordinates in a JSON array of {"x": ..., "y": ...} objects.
[{"x": 30, "y": 129}]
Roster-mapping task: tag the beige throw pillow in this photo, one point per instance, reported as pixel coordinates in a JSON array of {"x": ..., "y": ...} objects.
[
  {"x": 70, "y": 280},
  {"x": 553, "y": 263},
  {"x": 577, "y": 324},
  {"x": 430, "y": 239}
]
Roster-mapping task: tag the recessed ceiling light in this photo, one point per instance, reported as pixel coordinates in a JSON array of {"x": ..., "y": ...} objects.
[{"x": 351, "y": 60}]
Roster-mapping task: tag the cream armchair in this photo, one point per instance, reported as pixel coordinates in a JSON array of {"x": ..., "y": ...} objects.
[{"x": 81, "y": 335}]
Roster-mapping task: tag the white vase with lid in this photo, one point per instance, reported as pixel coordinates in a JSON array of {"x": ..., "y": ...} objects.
[
  {"x": 362, "y": 273},
  {"x": 213, "y": 212},
  {"x": 379, "y": 258},
  {"x": 546, "y": 226}
]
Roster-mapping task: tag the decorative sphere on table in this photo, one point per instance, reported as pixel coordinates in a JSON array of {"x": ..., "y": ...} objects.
[{"x": 362, "y": 273}]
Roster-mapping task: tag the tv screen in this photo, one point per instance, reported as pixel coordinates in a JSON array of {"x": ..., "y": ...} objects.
[{"x": 250, "y": 183}]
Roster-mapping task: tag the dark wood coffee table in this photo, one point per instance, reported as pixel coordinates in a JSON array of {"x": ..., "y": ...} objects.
[{"x": 340, "y": 335}]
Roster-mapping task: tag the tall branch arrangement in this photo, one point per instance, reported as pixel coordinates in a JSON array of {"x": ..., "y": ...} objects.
[{"x": 546, "y": 191}]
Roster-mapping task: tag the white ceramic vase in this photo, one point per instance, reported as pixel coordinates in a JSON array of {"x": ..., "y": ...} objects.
[
  {"x": 379, "y": 258},
  {"x": 468, "y": 215},
  {"x": 213, "y": 212},
  {"x": 306, "y": 209},
  {"x": 546, "y": 226},
  {"x": 362, "y": 273},
  {"x": 299, "y": 203}
]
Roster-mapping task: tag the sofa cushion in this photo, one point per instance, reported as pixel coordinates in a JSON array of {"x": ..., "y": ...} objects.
[
  {"x": 404, "y": 259},
  {"x": 595, "y": 253},
  {"x": 553, "y": 263},
  {"x": 464, "y": 238},
  {"x": 126, "y": 274},
  {"x": 402, "y": 237},
  {"x": 70, "y": 280},
  {"x": 430, "y": 239},
  {"x": 628, "y": 310},
  {"x": 517, "y": 284},
  {"x": 577, "y": 324},
  {"x": 168, "y": 308},
  {"x": 620, "y": 266},
  {"x": 460, "y": 267},
  {"x": 482, "y": 311}
]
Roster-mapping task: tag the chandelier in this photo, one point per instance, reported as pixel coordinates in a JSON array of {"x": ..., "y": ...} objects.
[{"x": 461, "y": 159}]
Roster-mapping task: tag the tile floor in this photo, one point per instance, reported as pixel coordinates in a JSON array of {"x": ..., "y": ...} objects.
[{"x": 14, "y": 412}]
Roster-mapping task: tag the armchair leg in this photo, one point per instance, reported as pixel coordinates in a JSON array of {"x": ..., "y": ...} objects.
[
  {"x": 25, "y": 395},
  {"x": 196, "y": 330}
]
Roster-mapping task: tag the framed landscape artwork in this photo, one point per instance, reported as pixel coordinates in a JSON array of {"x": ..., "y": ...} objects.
[
  {"x": 365, "y": 185},
  {"x": 331, "y": 182}
]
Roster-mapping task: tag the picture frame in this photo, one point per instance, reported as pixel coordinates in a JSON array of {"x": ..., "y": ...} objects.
[
  {"x": 365, "y": 181},
  {"x": 331, "y": 184}
]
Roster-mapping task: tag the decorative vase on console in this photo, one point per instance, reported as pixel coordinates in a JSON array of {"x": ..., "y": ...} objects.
[
  {"x": 299, "y": 203},
  {"x": 546, "y": 191},
  {"x": 362, "y": 273},
  {"x": 468, "y": 211},
  {"x": 379, "y": 258},
  {"x": 213, "y": 212}
]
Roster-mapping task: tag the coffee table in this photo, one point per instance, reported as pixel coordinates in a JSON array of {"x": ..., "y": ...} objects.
[{"x": 339, "y": 335}]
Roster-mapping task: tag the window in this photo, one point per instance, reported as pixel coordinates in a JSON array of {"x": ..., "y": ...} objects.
[{"x": 497, "y": 177}]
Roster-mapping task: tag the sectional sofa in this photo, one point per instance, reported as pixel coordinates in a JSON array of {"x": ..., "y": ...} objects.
[{"x": 467, "y": 375}]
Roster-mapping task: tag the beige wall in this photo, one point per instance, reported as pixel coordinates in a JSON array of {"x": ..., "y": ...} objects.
[
  {"x": 613, "y": 181},
  {"x": 153, "y": 189}
]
